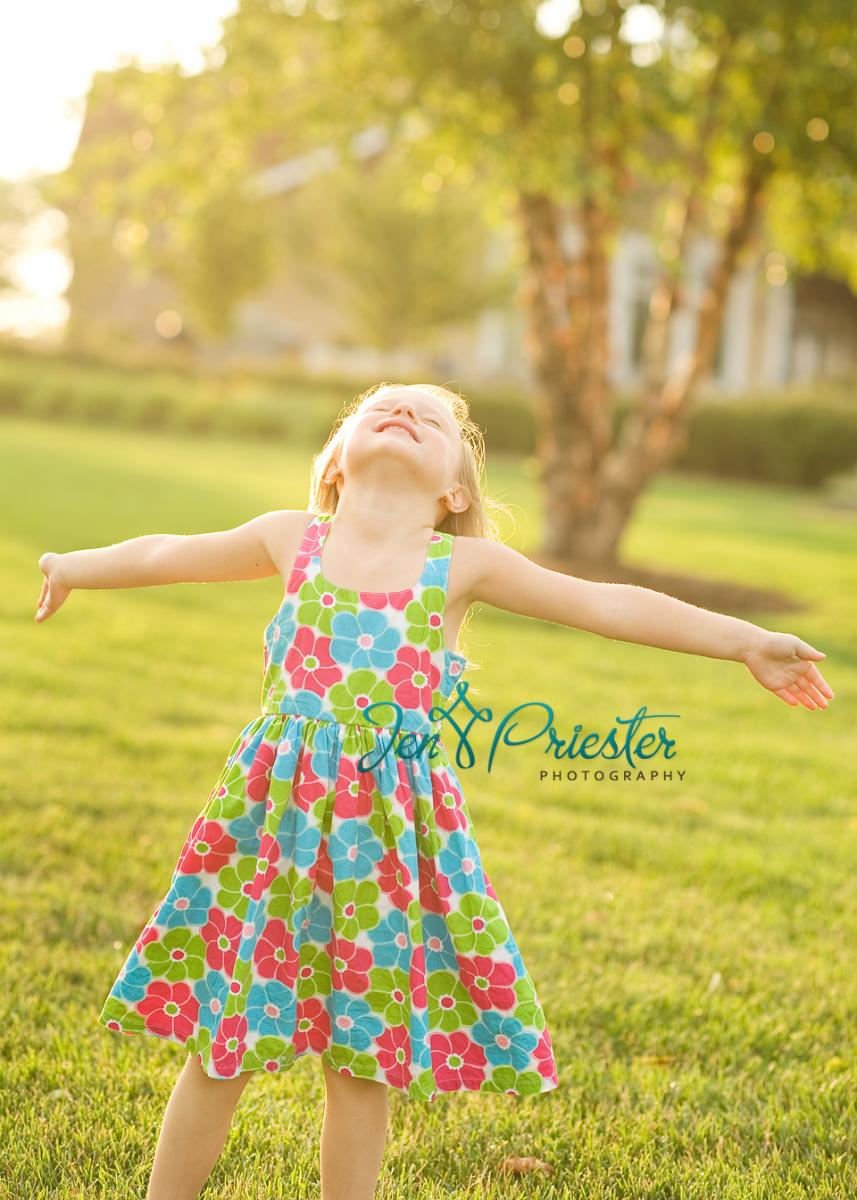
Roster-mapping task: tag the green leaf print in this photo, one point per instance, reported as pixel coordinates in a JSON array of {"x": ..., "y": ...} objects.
[
  {"x": 232, "y": 881},
  {"x": 313, "y": 977},
  {"x": 449, "y": 1005},
  {"x": 127, "y": 1020},
  {"x": 505, "y": 1079},
  {"x": 231, "y": 803},
  {"x": 180, "y": 954},
  {"x": 389, "y": 994},
  {"x": 353, "y": 696},
  {"x": 362, "y": 1065},
  {"x": 236, "y": 1002},
  {"x": 528, "y": 1008},
  {"x": 269, "y": 1049},
  {"x": 425, "y": 620},
  {"x": 355, "y": 906},
  {"x": 478, "y": 927},
  {"x": 311, "y": 610},
  {"x": 289, "y": 893}
]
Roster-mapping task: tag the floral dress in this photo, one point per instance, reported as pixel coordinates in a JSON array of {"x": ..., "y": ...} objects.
[{"x": 330, "y": 898}]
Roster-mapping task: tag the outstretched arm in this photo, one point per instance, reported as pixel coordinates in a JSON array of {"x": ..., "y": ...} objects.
[
  {"x": 781, "y": 662},
  {"x": 245, "y": 552}
]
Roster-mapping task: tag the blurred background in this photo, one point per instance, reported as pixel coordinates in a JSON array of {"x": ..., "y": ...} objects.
[
  {"x": 232, "y": 216},
  {"x": 627, "y": 233}
]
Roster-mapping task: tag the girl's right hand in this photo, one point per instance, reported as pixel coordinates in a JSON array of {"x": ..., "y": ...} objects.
[{"x": 53, "y": 593}]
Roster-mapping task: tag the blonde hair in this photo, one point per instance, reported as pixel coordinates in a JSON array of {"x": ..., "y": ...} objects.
[{"x": 478, "y": 520}]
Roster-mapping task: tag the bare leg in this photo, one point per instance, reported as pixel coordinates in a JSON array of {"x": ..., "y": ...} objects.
[
  {"x": 352, "y": 1135},
  {"x": 196, "y": 1122}
]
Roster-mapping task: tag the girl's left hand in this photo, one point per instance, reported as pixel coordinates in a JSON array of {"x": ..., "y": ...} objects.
[{"x": 784, "y": 665}]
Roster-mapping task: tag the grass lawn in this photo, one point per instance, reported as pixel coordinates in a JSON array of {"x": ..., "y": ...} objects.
[{"x": 692, "y": 940}]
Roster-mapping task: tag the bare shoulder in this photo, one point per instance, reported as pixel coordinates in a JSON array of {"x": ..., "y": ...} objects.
[
  {"x": 471, "y": 563},
  {"x": 488, "y": 570},
  {"x": 284, "y": 531}
]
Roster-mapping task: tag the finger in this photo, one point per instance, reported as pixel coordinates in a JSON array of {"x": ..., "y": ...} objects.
[
  {"x": 798, "y": 693},
  {"x": 784, "y": 694},
  {"x": 807, "y": 651},
  {"x": 814, "y": 694},
  {"x": 815, "y": 676}
]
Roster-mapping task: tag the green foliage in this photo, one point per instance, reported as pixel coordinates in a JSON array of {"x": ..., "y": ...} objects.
[
  {"x": 792, "y": 439},
  {"x": 409, "y": 261}
]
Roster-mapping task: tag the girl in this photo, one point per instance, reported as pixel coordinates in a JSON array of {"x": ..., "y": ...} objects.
[{"x": 330, "y": 898}]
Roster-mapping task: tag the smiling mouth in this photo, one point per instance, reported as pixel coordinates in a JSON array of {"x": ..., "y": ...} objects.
[{"x": 396, "y": 428}]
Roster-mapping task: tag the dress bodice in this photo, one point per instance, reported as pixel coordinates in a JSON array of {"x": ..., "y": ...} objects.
[{"x": 332, "y": 652}]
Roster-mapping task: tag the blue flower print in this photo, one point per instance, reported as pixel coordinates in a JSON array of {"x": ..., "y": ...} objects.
[
  {"x": 391, "y": 941},
  {"x": 255, "y": 920},
  {"x": 364, "y": 639},
  {"x": 271, "y": 1008},
  {"x": 504, "y": 1037},
  {"x": 460, "y": 862},
  {"x": 352, "y": 1021},
  {"x": 439, "y": 951},
  {"x": 288, "y": 748},
  {"x": 248, "y": 754},
  {"x": 418, "y": 1027},
  {"x": 298, "y": 837},
  {"x": 211, "y": 992},
  {"x": 186, "y": 903},
  {"x": 132, "y": 985},
  {"x": 246, "y": 830},
  {"x": 313, "y": 922},
  {"x": 514, "y": 953},
  {"x": 280, "y": 632},
  {"x": 354, "y": 850}
]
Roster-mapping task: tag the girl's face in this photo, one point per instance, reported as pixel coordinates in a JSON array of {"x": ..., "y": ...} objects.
[{"x": 412, "y": 428}]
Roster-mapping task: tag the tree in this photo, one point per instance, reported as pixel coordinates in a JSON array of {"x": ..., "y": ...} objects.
[
  {"x": 724, "y": 116},
  {"x": 707, "y": 116}
]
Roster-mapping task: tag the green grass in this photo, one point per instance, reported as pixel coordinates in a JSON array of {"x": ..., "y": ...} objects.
[{"x": 691, "y": 941}]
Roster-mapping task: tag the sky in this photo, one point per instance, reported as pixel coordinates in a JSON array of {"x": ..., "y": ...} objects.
[{"x": 49, "y": 50}]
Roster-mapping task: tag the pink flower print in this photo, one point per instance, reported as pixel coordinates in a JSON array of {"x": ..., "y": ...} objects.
[
  {"x": 208, "y": 848},
  {"x": 275, "y": 955},
  {"x": 309, "y": 786},
  {"x": 393, "y": 876},
  {"x": 349, "y": 966},
  {"x": 266, "y": 871},
  {"x": 394, "y": 1055},
  {"x": 299, "y": 574},
  {"x": 543, "y": 1054},
  {"x": 312, "y": 1027},
  {"x": 149, "y": 934},
  {"x": 414, "y": 678},
  {"x": 434, "y": 886},
  {"x": 448, "y": 811},
  {"x": 403, "y": 793},
  {"x": 489, "y": 983},
  {"x": 227, "y": 1049},
  {"x": 457, "y": 1061},
  {"x": 309, "y": 664},
  {"x": 418, "y": 977},
  {"x": 353, "y": 790},
  {"x": 379, "y": 600},
  {"x": 488, "y": 887},
  {"x": 259, "y": 775},
  {"x": 321, "y": 872},
  {"x": 221, "y": 934},
  {"x": 169, "y": 1008}
]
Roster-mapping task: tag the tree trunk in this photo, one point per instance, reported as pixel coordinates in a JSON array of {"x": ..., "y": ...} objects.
[{"x": 590, "y": 485}]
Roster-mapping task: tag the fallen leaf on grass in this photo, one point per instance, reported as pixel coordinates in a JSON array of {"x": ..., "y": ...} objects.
[{"x": 525, "y": 1166}]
